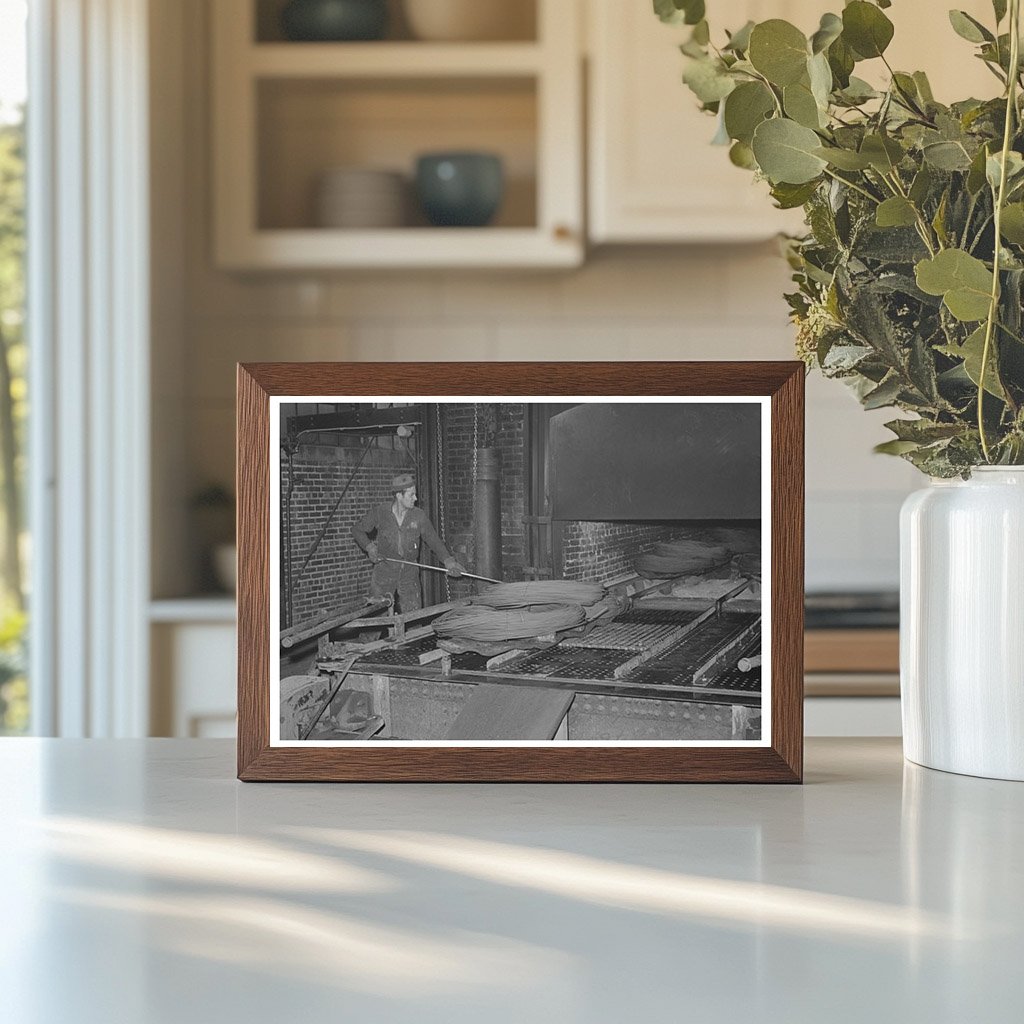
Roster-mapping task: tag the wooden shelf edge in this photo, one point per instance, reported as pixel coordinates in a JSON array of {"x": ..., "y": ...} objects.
[
  {"x": 392, "y": 60},
  {"x": 308, "y": 249},
  {"x": 852, "y": 650}
]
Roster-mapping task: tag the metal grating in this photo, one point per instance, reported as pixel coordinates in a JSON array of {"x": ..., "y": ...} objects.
[
  {"x": 677, "y": 665},
  {"x": 581, "y": 663},
  {"x": 409, "y": 654},
  {"x": 622, "y": 636},
  {"x": 582, "y": 658},
  {"x": 659, "y": 616}
]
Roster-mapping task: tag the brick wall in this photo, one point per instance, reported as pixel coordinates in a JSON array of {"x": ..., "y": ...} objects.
[
  {"x": 599, "y": 551},
  {"x": 338, "y": 573}
]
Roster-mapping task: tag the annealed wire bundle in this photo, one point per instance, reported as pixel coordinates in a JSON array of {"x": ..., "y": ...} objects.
[
  {"x": 739, "y": 540},
  {"x": 492, "y": 624},
  {"x": 680, "y": 558},
  {"x": 530, "y": 592}
]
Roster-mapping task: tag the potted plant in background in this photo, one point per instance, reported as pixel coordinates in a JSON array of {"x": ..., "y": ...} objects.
[
  {"x": 214, "y": 510},
  {"x": 909, "y": 285}
]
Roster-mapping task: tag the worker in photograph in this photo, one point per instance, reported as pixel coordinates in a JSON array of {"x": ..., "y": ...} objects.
[{"x": 398, "y": 528}]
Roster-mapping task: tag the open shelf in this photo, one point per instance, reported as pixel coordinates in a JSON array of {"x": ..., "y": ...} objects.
[
  {"x": 306, "y": 128},
  {"x": 393, "y": 60},
  {"x": 519, "y": 18},
  {"x": 286, "y": 114}
]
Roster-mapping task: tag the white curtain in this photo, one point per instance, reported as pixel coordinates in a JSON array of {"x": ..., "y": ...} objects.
[{"x": 88, "y": 319}]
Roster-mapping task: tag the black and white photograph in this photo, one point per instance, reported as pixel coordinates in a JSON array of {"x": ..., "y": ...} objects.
[{"x": 464, "y": 572}]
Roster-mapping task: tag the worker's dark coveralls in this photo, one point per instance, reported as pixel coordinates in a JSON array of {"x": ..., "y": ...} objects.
[{"x": 394, "y": 541}]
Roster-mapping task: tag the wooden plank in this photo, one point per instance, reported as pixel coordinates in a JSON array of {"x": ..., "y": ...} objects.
[
  {"x": 727, "y": 651},
  {"x": 435, "y": 655},
  {"x": 496, "y": 712},
  {"x": 852, "y": 650},
  {"x": 340, "y": 617},
  {"x": 613, "y": 687},
  {"x": 503, "y": 659}
]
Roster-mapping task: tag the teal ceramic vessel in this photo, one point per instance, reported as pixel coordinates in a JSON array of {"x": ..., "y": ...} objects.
[
  {"x": 333, "y": 21},
  {"x": 460, "y": 189}
]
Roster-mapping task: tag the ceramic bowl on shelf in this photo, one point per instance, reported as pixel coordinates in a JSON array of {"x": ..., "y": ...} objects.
[
  {"x": 469, "y": 20},
  {"x": 460, "y": 189},
  {"x": 334, "y": 20},
  {"x": 361, "y": 198}
]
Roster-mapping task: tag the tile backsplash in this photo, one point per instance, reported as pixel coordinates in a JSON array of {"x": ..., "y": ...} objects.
[{"x": 718, "y": 302}]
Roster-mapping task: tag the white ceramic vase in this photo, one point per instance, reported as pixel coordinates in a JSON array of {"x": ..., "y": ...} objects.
[{"x": 962, "y": 624}]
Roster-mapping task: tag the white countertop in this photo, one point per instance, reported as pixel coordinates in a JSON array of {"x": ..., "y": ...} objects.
[{"x": 142, "y": 884}]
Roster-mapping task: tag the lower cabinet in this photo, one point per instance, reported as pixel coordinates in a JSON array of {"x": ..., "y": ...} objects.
[{"x": 192, "y": 675}]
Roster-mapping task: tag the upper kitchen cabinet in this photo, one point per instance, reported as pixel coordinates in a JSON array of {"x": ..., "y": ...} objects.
[
  {"x": 653, "y": 174},
  {"x": 316, "y": 142}
]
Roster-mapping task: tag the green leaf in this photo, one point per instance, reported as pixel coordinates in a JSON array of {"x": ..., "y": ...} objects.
[
  {"x": 895, "y": 447},
  {"x": 896, "y": 212},
  {"x": 1014, "y": 169},
  {"x": 924, "y": 88},
  {"x": 923, "y": 431},
  {"x": 739, "y": 41},
  {"x": 841, "y": 60},
  {"x": 800, "y": 105},
  {"x": 963, "y": 281},
  {"x": 1011, "y": 226},
  {"x": 858, "y": 91},
  {"x": 844, "y": 159},
  {"x": 921, "y": 185},
  {"x": 885, "y": 394},
  {"x": 968, "y": 28},
  {"x": 976, "y": 174},
  {"x": 789, "y": 197},
  {"x": 820, "y": 76},
  {"x": 742, "y": 155},
  {"x": 939, "y": 220},
  {"x": 830, "y": 28},
  {"x": 999, "y": 7},
  {"x": 676, "y": 12},
  {"x": 745, "y": 108},
  {"x": 778, "y": 50},
  {"x": 785, "y": 152},
  {"x": 971, "y": 352},
  {"x": 866, "y": 29},
  {"x": 708, "y": 80},
  {"x": 883, "y": 153},
  {"x": 946, "y": 156},
  {"x": 701, "y": 33}
]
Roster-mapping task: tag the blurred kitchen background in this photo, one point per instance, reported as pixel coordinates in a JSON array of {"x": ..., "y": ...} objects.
[{"x": 238, "y": 189}]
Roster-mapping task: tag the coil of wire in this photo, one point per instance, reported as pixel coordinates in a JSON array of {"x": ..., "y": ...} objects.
[
  {"x": 539, "y": 592},
  {"x": 482, "y": 623},
  {"x": 680, "y": 558}
]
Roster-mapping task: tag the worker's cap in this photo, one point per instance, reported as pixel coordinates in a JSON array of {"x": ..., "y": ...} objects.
[{"x": 402, "y": 482}]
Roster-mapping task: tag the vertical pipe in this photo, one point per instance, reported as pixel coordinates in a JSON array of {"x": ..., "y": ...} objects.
[{"x": 487, "y": 513}]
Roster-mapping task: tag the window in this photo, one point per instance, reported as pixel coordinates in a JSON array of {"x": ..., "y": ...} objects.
[{"x": 14, "y": 697}]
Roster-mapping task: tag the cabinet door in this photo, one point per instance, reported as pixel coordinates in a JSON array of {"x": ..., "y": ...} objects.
[{"x": 653, "y": 174}]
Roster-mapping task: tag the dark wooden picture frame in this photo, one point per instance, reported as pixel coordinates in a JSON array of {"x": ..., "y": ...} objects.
[{"x": 779, "y": 761}]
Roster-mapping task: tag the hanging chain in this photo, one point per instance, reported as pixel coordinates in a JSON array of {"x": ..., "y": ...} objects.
[
  {"x": 439, "y": 456},
  {"x": 476, "y": 444}
]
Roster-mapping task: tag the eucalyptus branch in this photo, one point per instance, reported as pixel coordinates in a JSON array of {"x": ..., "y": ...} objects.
[
  {"x": 993, "y": 308},
  {"x": 853, "y": 185},
  {"x": 923, "y": 227}
]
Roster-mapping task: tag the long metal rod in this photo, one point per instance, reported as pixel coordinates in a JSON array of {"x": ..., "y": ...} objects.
[
  {"x": 437, "y": 568},
  {"x": 296, "y": 580},
  {"x": 344, "y": 671}
]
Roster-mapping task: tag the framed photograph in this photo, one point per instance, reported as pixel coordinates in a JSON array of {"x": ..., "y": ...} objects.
[{"x": 520, "y": 572}]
